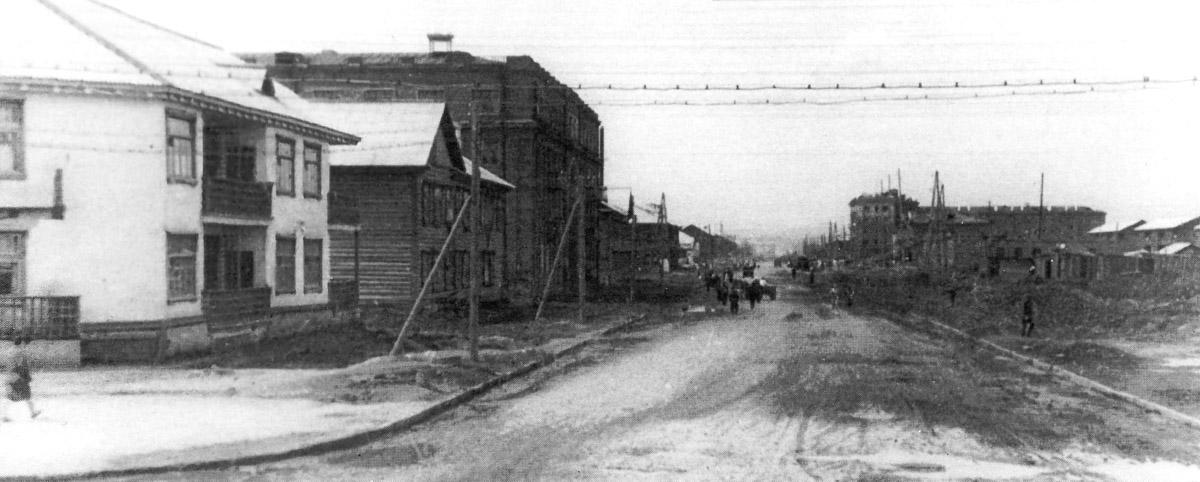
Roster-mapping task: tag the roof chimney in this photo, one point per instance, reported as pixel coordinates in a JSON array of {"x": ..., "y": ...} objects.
[{"x": 440, "y": 42}]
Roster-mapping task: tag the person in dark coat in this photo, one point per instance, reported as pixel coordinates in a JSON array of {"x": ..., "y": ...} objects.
[
  {"x": 19, "y": 379},
  {"x": 754, "y": 293},
  {"x": 734, "y": 297},
  {"x": 1027, "y": 316}
]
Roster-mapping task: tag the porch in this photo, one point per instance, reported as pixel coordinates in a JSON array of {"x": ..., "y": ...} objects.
[{"x": 39, "y": 317}]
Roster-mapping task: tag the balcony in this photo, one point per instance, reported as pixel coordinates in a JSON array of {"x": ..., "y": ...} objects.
[
  {"x": 39, "y": 317},
  {"x": 237, "y": 199},
  {"x": 343, "y": 209},
  {"x": 228, "y": 308}
]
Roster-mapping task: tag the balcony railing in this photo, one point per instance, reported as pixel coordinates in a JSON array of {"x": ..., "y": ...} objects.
[
  {"x": 231, "y": 307},
  {"x": 235, "y": 198},
  {"x": 343, "y": 209},
  {"x": 39, "y": 317}
]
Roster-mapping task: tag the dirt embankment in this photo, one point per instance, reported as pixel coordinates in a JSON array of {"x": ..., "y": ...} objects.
[{"x": 1142, "y": 307}]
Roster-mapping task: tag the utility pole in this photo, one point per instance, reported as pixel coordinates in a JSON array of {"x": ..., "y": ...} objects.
[
  {"x": 562, "y": 242},
  {"x": 580, "y": 247},
  {"x": 632, "y": 250},
  {"x": 476, "y": 214},
  {"x": 1041, "y": 205},
  {"x": 398, "y": 346}
]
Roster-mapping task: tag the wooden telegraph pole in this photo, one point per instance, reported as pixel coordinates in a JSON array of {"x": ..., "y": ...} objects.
[
  {"x": 632, "y": 251},
  {"x": 398, "y": 346},
  {"x": 476, "y": 225},
  {"x": 562, "y": 242},
  {"x": 580, "y": 247}
]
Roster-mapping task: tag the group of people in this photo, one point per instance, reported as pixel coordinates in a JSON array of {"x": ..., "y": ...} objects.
[{"x": 731, "y": 289}]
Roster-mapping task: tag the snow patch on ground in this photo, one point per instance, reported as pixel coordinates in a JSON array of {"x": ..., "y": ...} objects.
[
  {"x": 85, "y": 433},
  {"x": 1144, "y": 471}
]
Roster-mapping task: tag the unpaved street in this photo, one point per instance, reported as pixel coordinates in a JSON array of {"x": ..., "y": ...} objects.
[{"x": 781, "y": 393}]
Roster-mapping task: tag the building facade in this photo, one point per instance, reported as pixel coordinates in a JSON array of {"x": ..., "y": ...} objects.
[
  {"x": 410, "y": 180},
  {"x": 875, "y": 221},
  {"x": 534, "y": 132},
  {"x": 145, "y": 210}
]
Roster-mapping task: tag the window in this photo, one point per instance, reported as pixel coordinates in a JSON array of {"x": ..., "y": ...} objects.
[
  {"x": 488, "y": 258},
  {"x": 427, "y": 259},
  {"x": 285, "y": 266},
  {"x": 228, "y": 157},
  {"x": 181, "y": 147},
  {"x": 312, "y": 170},
  {"x": 12, "y": 145},
  {"x": 181, "y": 267},
  {"x": 312, "y": 265},
  {"x": 12, "y": 260},
  {"x": 285, "y": 174}
]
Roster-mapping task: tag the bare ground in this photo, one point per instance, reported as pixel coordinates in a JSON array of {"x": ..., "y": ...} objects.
[{"x": 783, "y": 393}]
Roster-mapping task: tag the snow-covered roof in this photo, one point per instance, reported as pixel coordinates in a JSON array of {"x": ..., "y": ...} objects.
[
  {"x": 486, "y": 175},
  {"x": 394, "y": 134},
  {"x": 86, "y": 43},
  {"x": 1165, "y": 223},
  {"x": 1174, "y": 248},
  {"x": 615, "y": 208},
  {"x": 1115, "y": 226},
  {"x": 686, "y": 239}
]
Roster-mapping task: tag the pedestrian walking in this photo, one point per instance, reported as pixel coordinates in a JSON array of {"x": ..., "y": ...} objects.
[
  {"x": 18, "y": 379},
  {"x": 734, "y": 298},
  {"x": 812, "y": 277},
  {"x": 1027, "y": 316},
  {"x": 793, "y": 272},
  {"x": 722, "y": 291},
  {"x": 754, "y": 293}
]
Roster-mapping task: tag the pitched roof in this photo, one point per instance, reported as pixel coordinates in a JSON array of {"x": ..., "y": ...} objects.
[
  {"x": 1165, "y": 223},
  {"x": 85, "y": 43},
  {"x": 1115, "y": 226},
  {"x": 394, "y": 134},
  {"x": 1175, "y": 248}
]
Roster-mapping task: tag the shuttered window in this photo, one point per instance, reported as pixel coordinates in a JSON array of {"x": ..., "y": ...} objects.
[
  {"x": 285, "y": 266},
  {"x": 181, "y": 147},
  {"x": 312, "y": 171},
  {"x": 285, "y": 168},
  {"x": 313, "y": 274},
  {"x": 181, "y": 267},
  {"x": 12, "y": 145}
]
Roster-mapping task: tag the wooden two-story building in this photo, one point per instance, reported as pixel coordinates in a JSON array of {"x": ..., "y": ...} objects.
[
  {"x": 534, "y": 131},
  {"x": 410, "y": 180},
  {"x": 157, "y": 194}
]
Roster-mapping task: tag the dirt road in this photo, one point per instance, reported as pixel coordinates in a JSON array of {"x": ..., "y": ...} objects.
[{"x": 780, "y": 393}]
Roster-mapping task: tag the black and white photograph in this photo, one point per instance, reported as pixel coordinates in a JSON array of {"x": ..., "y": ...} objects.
[{"x": 473, "y": 240}]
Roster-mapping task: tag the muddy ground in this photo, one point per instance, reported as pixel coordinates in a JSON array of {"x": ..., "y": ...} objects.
[
  {"x": 1137, "y": 333},
  {"x": 790, "y": 391}
]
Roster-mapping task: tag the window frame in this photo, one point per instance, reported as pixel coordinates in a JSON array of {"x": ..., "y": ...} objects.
[
  {"x": 316, "y": 148},
  {"x": 169, "y": 149},
  {"x": 281, "y": 188},
  {"x": 320, "y": 268},
  {"x": 18, "y": 140},
  {"x": 291, "y": 261},
  {"x": 174, "y": 296}
]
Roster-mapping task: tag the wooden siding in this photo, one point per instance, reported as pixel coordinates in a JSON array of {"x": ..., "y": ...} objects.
[{"x": 385, "y": 207}]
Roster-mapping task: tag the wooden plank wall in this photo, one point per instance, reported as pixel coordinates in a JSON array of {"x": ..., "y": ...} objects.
[{"x": 386, "y": 263}]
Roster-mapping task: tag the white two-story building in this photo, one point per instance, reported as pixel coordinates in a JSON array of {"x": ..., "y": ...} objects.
[{"x": 155, "y": 191}]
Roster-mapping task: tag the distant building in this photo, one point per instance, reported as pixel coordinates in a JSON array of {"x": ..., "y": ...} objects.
[
  {"x": 710, "y": 247},
  {"x": 1114, "y": 237},
  {"x": 534, "y": 132},
  {"x": 1157, "y": 234},
  {"x": 875, "y": 222}
]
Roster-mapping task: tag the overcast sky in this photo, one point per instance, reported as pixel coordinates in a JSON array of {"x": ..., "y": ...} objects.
[{"x": 1132, "y": 152}]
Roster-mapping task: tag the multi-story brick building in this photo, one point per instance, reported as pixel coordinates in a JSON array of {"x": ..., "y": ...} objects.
[
  {"x": 875, "y": 220},
  {"x": 534, "y": 132}
]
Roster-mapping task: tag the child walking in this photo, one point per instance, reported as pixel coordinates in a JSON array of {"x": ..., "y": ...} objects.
[{"x": 19, "y": 378}]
